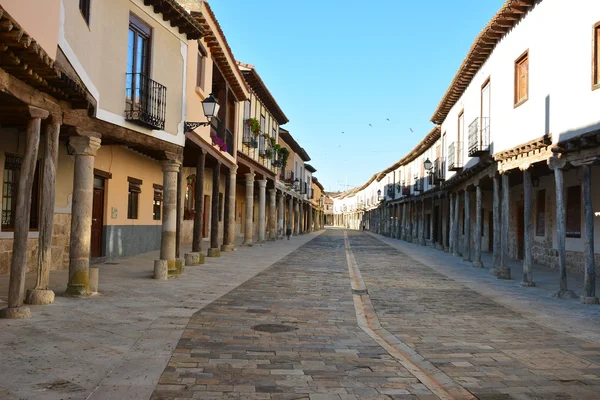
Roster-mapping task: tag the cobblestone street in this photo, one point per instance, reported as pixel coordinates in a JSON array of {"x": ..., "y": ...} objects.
[{"x": 455, "y": 341}]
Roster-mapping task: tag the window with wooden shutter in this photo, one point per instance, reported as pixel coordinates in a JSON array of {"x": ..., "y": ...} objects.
[
  {"x": 157, "y": 202},
  {"x": 574, "y": 212},
  {"x": 522, "y": 79},
  {"x": 596, "y": 57},
  {"x": 135, "y": 188},
  {"x": 540, "y": 219},
  {"x": 12, "y": 169}
]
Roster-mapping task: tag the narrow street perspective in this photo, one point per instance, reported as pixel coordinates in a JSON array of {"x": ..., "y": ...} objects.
[{"x": 291, "y": 332}]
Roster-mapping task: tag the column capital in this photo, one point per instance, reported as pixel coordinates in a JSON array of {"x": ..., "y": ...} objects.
[
  {"x": 262, "y": 183},
  {"x": 35, "y": 112},
  {"x": 233, "y": 169},
  {"x": 249, "y": 177},
  {"x": 84, "y": 145},
  {"x": 272, "y": 191},
  {"x": 170, "y": 166},
  {"x": 556, "y": 163}
]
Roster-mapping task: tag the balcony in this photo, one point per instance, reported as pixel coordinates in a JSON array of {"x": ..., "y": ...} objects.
[
  {"x": 248, "y": 138},
  {"x": 221, "y": 136},
  {"x": 287, "y": 176},
  {"x": 454, "y": 157},
  {"x": 479, "y": 137},
  {"x": 439, "y": 170},
  {"x": 391, "y": 191},
  {"x": 146, "y": 101}
]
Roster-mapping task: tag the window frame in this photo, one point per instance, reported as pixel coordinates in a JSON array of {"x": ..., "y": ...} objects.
[
  {"x": 201, "y": 66},
  {"x": 524, "y": 56},
  {"x": 85, "y": 7},
  {"x": 134, "y": 190},
  {"x": 158, "y": 198},
  {"x": 596, "y": 56},
  {"x": 36, "y": 192}
]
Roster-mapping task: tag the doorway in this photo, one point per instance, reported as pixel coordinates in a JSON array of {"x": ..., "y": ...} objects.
[{"x": 97, "y": 217}]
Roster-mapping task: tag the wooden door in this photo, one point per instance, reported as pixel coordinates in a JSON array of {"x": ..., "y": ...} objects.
[
  {"x": 205, "y": 212},
  {"x": 520, "y": 231},
  {"x": 97, "y": 218}
]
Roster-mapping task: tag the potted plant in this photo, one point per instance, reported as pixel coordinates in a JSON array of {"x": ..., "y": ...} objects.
[
  {"x": 254, "y": 126},
  {"x": 283, "y": 155},
  {"x": 268, "y": 153}
]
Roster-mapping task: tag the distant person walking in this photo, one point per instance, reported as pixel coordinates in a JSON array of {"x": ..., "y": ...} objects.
[{"x": 288, "y": 233}]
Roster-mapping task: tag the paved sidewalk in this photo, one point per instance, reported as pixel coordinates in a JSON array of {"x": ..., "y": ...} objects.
[
  {"x": 115, "y": 345},
  {"x": 493, "y": 337}
]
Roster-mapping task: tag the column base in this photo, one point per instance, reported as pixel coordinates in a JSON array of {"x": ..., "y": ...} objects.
[
  {"x": 94, "y": 278},
  {"x": 193, "y": 259},
  {"x": 227, "y": 248},
  {"x": 76, "y": 290},
  {"x": 214, "y": 252},
  {"x": 161, "y": 269},
  {"x": 500, "y": 272},
  {"x": 588, "y": 300},
  {"x": 467, "y": 258},
  {"x": 565, "y": 294},
  {"x": 446, "y": 249},
  {"x": 22, "y": 312},
  {"x": 179, "y": 266},
  {"x": 439, "y": 247},
  {"x": 422, "y": 242},
  {"x": 455, "y": 254},
  {"x": 39, "y": 297},
  {"x": 477, "y": 264},
  {"x": 527, "y": 284},
  {"x": 271, "y": 239}
]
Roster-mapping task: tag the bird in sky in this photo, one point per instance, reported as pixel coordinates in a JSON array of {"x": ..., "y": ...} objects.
[
  {"x": 370, "y": 125},
  {"x": 387, "y": 119},
  {"x": 411, "y": 130}
]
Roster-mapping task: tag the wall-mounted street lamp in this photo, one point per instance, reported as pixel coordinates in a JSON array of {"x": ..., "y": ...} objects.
[
  {"x": 379, "y": 198},
  {"x": 296, "y": 184},
  {"x": 535, "y": 181},
  {"x": 210, "y": 107},
  {"x": 428, "y": 164}
]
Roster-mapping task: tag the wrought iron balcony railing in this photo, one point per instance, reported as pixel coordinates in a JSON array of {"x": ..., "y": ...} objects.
[
  {"x": 454, "y": 157},
  {"x": 479, "y": 137},
  {"x": 146, "y": 101},
  {"x": 248, "y": 138},
  {"x": 229, "y": 141},
  {"x": 439, "y": 170}
]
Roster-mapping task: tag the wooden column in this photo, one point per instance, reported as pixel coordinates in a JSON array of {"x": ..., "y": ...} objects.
[
  {"x": 215, "y": 249},
  {"x": 528, "y": 229},
  {"x": 229, "y": 210},
  {"x": 18, "y": 266},
  {"x": 478, "y": 223},
  {"x": 467, "y": 238},
  {"x": 281, "y": 216},
  {"x": 496, "y": 228},
  {"x": 290, "y": 219},
  {"x": 445, "y": 213},
  {"x": 456, "y": 225},
  {"x": 451, "y": 230},
  {"x": 589, "y": 285},
  {"x": 199, "y": 203},
  {"x": 422, "y": 241},
  {"x": 41, "y": 294},
  {"x": 504, "y": 269}
]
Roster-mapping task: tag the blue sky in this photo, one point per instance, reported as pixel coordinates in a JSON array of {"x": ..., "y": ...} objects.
[{"x": 339, "y": 65}]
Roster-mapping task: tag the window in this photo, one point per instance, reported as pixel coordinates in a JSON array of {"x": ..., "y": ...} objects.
[
  {"x": 522, "y": 79},
  {"x": 540, "y": 218},
  {"x": 138, "y": 57},
  {"x": 596, "y": 57},
  {"x": 262, "y": 124},
  {"x": 133, "y": 200},
  {"x": 574, "y": 212},
  {"x": 157, "y": 203},
  {"x": 12, "y": 167},
  {"x": 200, "y": 67},
  {"x": 84, "y": 7}
]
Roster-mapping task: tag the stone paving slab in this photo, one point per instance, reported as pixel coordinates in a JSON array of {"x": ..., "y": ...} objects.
[
  {"x": 325, "y": 355},
  {"x": 485, "y": 346},
  {"x": 116, "y": 345}
]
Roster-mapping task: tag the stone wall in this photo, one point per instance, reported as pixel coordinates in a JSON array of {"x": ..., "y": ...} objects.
[{"x": 60, "y": 247}]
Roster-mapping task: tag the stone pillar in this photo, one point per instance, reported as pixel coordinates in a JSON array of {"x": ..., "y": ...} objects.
[
  {"x": 564, "y": 292},
  {"x": 41, "y": 295},
  {"x": 589, "y": 285},
  {"x": 478, "y": 223},
  {"x": 445, "y": 214},
  {"x": 456, "y": 225},
  {"x": 215, "y": 249},
  {"x": 422, "y": 241},
  {"x": 229, "y": 211},
  {"x": 262, "y": 212},
  {"x": 199, "y": 203},
  {"x": 290, "y": 219},
  {"x": 296, "y": 218},
  {"x": 496, "y": 228},
  {"x": 249, "y": 209},
  {"x": 504, "y": 269},
  {"x": 467, "y": 239},
  {"x": 272, "y": 215},
  {"x": 310, "y": 218},
  {"x": 451, "y": 231},
  {"x": 18, "y": 266},
  {"x": 81, "y": 214},
  {"x": 528, "y": 229},
  {"x": 281, "y": 216}
]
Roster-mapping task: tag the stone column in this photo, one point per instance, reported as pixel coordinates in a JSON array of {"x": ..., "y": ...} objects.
[
  {"x": 444, "y": 223},
  {"x": 528, "y": 229},
  {"x": 215, "y": 249},
  {"x": 296, "y": 218},
  {"x": 496, "y": 228},
  {"x": 41, "y": 295},
  {"x": 18, "y": 266},
  {"x": 456, "y": 225},
  {"x": 564, "y": 292},
  {"x": 451, "y": 231},
  {"x": 403, "y": 223},
  {"x": 478, "y": 223},
  {"x": 290, "y": 219},
  {"x": 81, "y": 214},
  {"x": 589, "y": 285},
  {"x": 199, "y": 203},
  {"x": 310, "y": 218},
  {"x": 467, "y": 238},
  {"x": 229, "y": 211},
  {"x": 249, "y": 209},
  {"x": 422, "y": 241},
  {"x": 281, "y": 216},
  {"x": 272, "y": 215},
  {"x": 504, "y": 269},
  {"x": 262, "y": 212}
]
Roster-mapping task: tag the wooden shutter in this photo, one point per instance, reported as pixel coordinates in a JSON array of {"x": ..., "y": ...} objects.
[{"x": 596, "y": 71}]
